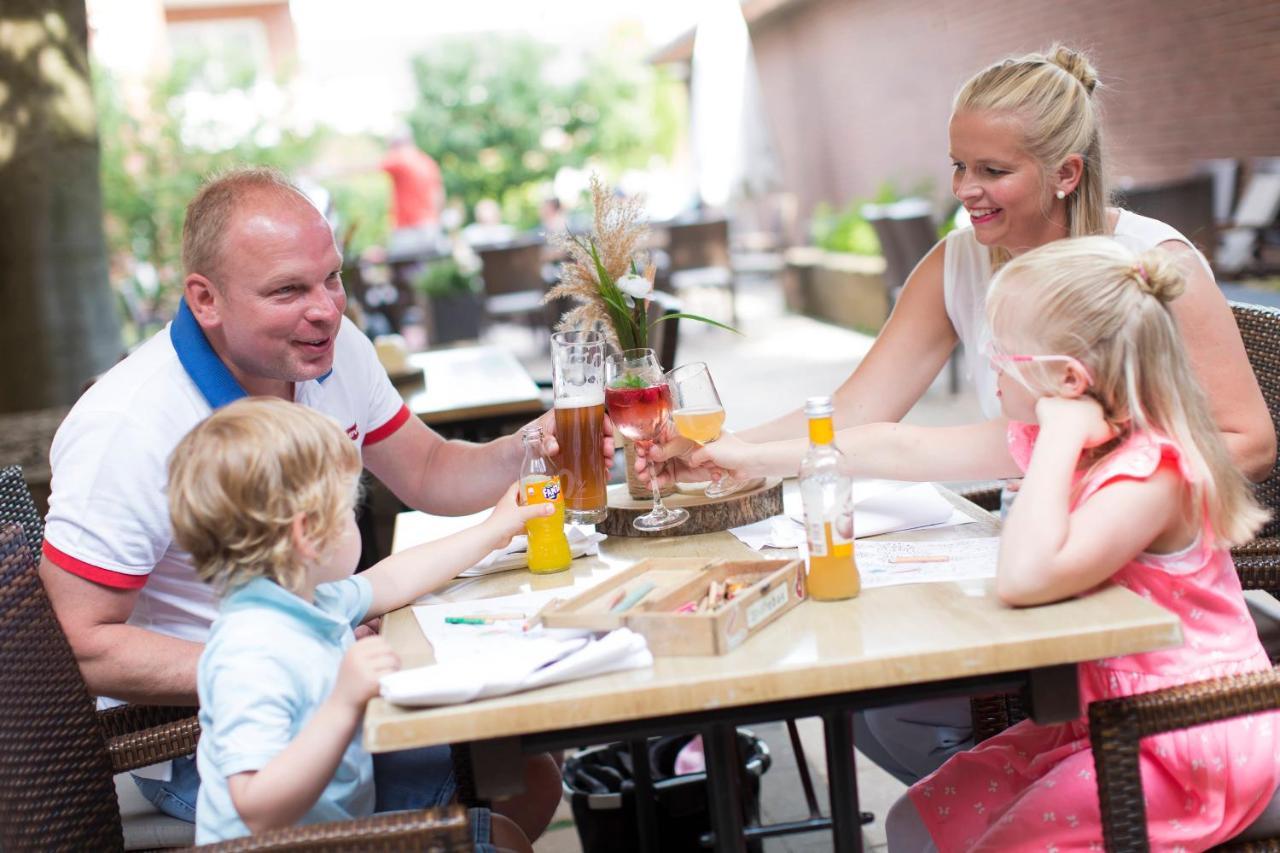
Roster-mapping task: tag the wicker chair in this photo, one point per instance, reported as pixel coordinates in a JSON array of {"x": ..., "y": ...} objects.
[
  {"x": 58, "y": 755},
  {"x": 1117, "y": 725}
]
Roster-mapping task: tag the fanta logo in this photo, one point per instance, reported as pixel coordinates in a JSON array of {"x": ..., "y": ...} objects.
[
  {"x": 551, "y": 490},
  {"x": 353, "y": 432}
]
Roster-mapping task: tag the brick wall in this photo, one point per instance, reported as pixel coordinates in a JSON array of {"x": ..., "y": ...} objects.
[{"x": 859, "y": 91}]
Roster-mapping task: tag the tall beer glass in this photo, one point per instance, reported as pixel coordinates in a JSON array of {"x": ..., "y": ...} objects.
[{"x": 577, "y": 375}]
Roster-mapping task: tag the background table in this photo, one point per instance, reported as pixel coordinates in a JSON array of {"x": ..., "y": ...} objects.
[
  {"x": 470, "y": 385},
  {"x": 889, "y": 645}
]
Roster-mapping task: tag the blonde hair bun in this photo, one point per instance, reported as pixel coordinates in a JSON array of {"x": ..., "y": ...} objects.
[
  {"x": 1159, "y": 274},
  {"x": 1076, "y": 64}
]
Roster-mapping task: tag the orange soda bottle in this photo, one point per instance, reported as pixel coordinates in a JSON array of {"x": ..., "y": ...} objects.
[
  {"x": 827, "y": 494},
  {"x": 540, "y": 483}
]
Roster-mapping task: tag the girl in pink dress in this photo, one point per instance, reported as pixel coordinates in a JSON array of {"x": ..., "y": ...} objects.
[{"x": 1127, "y": 482}]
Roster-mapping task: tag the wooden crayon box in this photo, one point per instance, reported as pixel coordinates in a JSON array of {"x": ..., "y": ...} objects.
[{"x": 751, "y": 594}]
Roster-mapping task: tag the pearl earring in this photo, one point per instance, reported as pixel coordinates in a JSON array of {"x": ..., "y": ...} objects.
[{"x": 1061, "y": 194}]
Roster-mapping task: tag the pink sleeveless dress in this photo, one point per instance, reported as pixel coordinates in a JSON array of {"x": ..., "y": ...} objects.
[{"x": 1032, "y": 787}]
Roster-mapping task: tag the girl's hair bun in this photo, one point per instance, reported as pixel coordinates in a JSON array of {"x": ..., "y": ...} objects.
[
  {"x": 1076, "y": 64},
  {"x": 1159, "y": 274}
]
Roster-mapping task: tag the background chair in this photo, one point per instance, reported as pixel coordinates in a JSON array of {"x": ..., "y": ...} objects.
[
  {"x": 514, "y": 284},
  {"x": 1186, "y": 204},
  {"x": 698, "y": 257},
  {"x": 1116, "y": 726}
]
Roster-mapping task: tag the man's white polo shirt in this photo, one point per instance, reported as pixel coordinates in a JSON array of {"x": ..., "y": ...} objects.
[{"x": 108, "y": 512}]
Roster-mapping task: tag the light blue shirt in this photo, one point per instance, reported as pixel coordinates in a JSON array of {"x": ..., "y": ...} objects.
[{"x": 271, "y": 660}]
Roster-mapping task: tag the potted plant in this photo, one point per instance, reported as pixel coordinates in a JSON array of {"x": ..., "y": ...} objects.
[
  {"x": 451, "y": 288},
  {"x": 840, "y": 278}
]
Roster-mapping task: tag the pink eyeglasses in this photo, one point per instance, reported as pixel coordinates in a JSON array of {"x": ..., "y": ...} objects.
[{"x": 998, "y": 357}]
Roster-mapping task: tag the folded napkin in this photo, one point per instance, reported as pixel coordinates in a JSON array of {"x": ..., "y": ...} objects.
[
  {"x": 516, "y": 554},
  {"x": 526, "y": 662}
]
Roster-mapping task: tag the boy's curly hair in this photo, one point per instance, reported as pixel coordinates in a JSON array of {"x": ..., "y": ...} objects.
[{"x": 239, "y": 479}]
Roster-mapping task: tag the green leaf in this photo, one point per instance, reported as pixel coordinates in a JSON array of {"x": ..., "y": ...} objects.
[{"x": 700, "y": 319}]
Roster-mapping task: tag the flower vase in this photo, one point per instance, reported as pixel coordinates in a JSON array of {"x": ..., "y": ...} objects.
[{"x": 636, "y": 487}]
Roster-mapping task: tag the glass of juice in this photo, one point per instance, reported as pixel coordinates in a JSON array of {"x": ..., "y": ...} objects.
[
  {"x": 639, "y": 404},
  {"x": 699, "y": 415}
]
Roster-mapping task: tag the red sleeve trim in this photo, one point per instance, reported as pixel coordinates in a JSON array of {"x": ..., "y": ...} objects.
[
  {"x": 106, "y": 577},
  {"x": 373, "y": 436}
]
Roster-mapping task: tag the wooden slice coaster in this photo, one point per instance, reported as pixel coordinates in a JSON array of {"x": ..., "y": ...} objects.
[{"x": 706, "y": 515}]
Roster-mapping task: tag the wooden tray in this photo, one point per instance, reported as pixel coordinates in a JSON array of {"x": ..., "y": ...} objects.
[
  {"x": 706, "y": 515},
  {"x": 778, "y": 587}
]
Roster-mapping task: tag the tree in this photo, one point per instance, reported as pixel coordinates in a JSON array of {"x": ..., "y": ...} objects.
[
  {"x": 59, "y": 325},
  {"x": 501, "y": 124}
]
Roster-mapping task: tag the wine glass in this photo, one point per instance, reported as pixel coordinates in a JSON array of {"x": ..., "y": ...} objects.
[
  {"x": 699, "y": 414},
  {"x": 639, "y": 403}
]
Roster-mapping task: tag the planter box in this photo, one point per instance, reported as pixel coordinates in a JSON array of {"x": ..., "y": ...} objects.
[{"x": 847, "y": 290}]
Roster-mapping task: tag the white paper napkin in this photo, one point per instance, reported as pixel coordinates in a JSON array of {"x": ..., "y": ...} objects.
[
  {"x": 516, "y": 554},
  {"x": 526, "y": 662}
]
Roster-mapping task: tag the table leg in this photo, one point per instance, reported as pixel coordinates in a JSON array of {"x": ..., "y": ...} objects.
[
  {"x": 846, "y": 826},
  {"x": 646, "y": 808},
  {"x": 724, "y": 787}
]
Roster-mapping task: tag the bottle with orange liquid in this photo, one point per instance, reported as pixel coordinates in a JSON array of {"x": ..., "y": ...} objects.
[
  {"x": 827, "y": 493},
  {"x": 540, "y": 483}
]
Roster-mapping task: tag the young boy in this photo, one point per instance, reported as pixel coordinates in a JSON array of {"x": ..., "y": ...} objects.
[{"x": 262, "y": 495}]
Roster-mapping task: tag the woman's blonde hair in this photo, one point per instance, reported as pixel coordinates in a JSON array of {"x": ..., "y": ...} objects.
[
  {"x": 238, "y": 480},
  {"x": 1052, "y": 94},
  {"x": 1095, "y": 300}
]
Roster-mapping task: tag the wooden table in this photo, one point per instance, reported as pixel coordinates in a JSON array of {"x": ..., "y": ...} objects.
[
  {"x": 471, "y": 384},
  {"x": 889, "y": 645}
]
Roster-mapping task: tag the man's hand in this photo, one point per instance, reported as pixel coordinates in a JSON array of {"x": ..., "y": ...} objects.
[{"x": 552, "y": 446}]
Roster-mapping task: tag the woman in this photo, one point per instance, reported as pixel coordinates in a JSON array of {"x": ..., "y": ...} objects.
[{"x": 1026, "y": 144}]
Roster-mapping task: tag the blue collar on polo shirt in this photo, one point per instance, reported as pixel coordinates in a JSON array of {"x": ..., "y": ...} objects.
[{"x": 202, "y": 364}]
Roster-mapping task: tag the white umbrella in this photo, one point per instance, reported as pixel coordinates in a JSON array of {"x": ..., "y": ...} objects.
[{"x": 732, "y": 152}]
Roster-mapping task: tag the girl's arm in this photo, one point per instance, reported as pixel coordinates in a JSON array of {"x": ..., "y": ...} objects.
[
  {"x": 1048, "y": 552},
  {"x": 283, "y": 791},
  {"x": 408, "y": 575},
  {"x": 890, "y": 450},
  {"x": 1218, "y": 358},
  {"x": 905, "y": 358}
]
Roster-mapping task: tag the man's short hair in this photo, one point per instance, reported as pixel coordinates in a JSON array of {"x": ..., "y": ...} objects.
[
  {"x": 237, "y": 481},
  {"x": 210, "y": 212}
]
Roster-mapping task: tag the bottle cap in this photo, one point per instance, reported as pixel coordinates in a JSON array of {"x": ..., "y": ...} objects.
[{"x": 818, "y": 407}]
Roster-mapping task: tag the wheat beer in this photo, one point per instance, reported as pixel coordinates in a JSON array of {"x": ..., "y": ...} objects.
[
  {"x": 577, "y": 373},
  {"x": 579, "y": 428}
]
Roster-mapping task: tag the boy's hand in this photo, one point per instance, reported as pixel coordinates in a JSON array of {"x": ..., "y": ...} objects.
[
  {"x": 509, "y": 516},
  {"x": 1078, "y": 418},
  {"x": 363, "y": 664}
]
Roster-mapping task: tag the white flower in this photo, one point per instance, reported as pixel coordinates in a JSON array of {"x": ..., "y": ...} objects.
[{"x": 635, "y": 286}]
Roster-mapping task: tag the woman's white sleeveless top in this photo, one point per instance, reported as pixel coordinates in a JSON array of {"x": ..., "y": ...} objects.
[{"x": 967, "y": 273}]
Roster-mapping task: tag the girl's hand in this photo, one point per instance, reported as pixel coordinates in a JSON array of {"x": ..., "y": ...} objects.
[
  {"x": 509, "y": 516},
  {"x": 363, "y": 664},
  {"x": 1080, "y": 418}
]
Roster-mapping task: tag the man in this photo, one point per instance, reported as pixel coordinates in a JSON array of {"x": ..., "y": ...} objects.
[
  {"x": 417, "y": 196},
  {"x": 262, "y": 315}
]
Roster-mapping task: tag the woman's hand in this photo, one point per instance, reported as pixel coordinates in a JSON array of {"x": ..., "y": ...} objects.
[{"x": 1075, "y": 418}]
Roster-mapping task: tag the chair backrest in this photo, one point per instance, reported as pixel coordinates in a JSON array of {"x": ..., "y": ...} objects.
[
  {"x": 665, "y": 336},
  {"x": 18, "y": 507},
  {"x": 906, "y": 235},
  {"x": 1260, "y": 330},
  {"x": 56, "y": 788},
  {"x": 1225, "y": 173},
  {"x": 695, "y": 245},
  {"x": 1186, "y": 204},
  {"x": 511, "y": 269}
]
